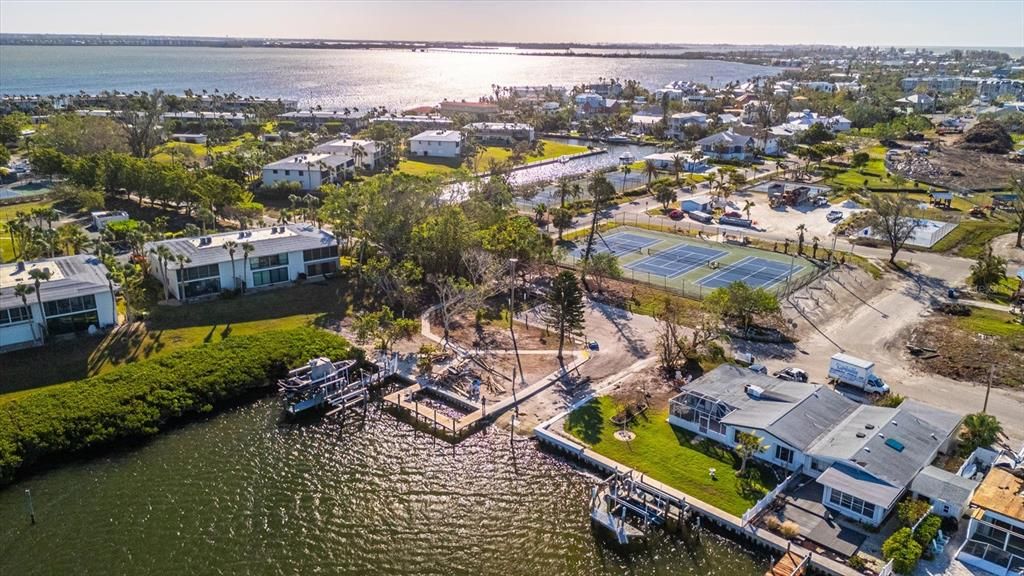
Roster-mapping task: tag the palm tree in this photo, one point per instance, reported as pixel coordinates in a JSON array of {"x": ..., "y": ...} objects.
[
  {"x": 73, "y": 238},
  {"x": 358, "y": 154},
  {"x": 625, "y": 172},
  {"x": 38, "y": 276},
  {"x": 980, "y": 430},
  {"x": 651, "y": 170},
  {"x": 247, "y": 248},
  {"x": 800, "y": 239},
  {"x": 539, "y": 210},
  {"x": 747, "y": 207},
  {"x": 814, "y": 247},
  {"x": 231, "y": 246},
  {"x": 677, "y": 166},
  {"x": 22, "y": 291},
  {"x": 181, "y": 260}
]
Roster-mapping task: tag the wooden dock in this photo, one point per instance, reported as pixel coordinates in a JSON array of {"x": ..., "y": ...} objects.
[{"x": 791, "y": 564}]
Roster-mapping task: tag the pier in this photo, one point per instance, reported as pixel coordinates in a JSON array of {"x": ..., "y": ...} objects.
[{"x": 621, "y": 496}]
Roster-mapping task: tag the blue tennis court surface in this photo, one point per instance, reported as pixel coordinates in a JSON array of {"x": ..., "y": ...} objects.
[
  {"x": 618, "y": 244},
  {"x": 753, "y": 271},
  {"x": 676, "y": 261}
]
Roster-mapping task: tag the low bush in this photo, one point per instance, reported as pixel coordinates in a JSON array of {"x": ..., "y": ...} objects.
[
  {"x": 140, "y": 399},
  {"x": 911, "y": 510},
  {"x": 789, "y": 530},
  {"x": 927, "y": 530},
  {"x": 903, "y": 550},
  {"x": 772, "y": 523}
]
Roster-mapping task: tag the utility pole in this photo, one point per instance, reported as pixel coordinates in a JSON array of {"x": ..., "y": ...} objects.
[
  {"x": 988, "y": 388},
  {"x": 511, "y": 321}
]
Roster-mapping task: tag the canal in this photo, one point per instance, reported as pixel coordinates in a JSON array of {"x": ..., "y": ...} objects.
[{"x": 247, "y": 493}]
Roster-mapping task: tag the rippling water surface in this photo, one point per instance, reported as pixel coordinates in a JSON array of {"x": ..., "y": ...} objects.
[
  {"x": 330, "y": 78},
  {"x": 244, "y": 493}
]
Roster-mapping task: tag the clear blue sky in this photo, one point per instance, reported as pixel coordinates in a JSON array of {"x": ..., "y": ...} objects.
[{"x": 864, "y": 22}]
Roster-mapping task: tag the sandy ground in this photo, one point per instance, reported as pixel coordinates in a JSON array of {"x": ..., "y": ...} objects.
[
  {"x": 873, "y": 330},
  {"x": 784, "y": 219},
  {"x": 626, "y": 344},
  {"x": 1005, "y": 246}
]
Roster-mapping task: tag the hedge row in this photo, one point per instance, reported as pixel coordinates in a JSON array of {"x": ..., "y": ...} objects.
[{"x": 139, "y": 399}]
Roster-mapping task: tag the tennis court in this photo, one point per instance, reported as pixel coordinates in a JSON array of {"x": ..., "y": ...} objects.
[
  {"x": 677, "y": 260},
  {"x": 684, "y": 264},
  {"x": 754, "y": 271},
  {"x": 619, "y": 244}
]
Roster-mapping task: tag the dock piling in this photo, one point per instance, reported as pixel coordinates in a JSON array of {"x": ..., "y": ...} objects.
[{"x": 31, "y": 508}]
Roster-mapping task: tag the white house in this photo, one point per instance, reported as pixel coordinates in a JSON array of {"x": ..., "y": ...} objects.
[
  {"x": 667, "y": 161},
  {"x": 102, "y": 218},
  {"x": 679, "y": 121},
  {"x": 762, "y": 141},
  {"x": 189, "y": 138},
  {"x": 438, "y": 143},
  {"x": 644, "y": 123},
  {"x": 506, "y": 133},
  {"x": 280, "y": 255},
  {"x": 236, "y": 119},
  {"x": 995, "y": 534},
  {"x": 863, "y": 456},
  {"x": 371, "y": 153},
  {"x": 310, "y": 170},
  {"x": 918, "y": 102},
  {"x": 76, "y": 297}
]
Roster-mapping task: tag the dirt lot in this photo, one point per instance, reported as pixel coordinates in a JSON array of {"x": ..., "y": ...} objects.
[
  {"x": 969, "y": 356},
  {"x": 494, "y": 334},
  {"x": 951, "y": 167}
]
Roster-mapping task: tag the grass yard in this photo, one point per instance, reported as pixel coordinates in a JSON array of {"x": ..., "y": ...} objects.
[
  {"x": 992, "y": 323},
  {"x": 426, "y": 166},
  {"x": 971, "y": 237},
  {"x": 872, "y": 175},
  {"x": 8, "y": 213},
  {"x": 670, "y": 455},
  {"x": 421, "y": 166},
  {"x": 162, "y": 152},
  {"x": 171, "y": 328}
]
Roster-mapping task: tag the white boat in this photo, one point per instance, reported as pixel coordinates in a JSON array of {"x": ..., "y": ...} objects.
[{"x": 618, "y": 139}]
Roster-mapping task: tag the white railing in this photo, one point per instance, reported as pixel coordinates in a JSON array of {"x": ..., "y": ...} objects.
[
  {"x": 768, "y": 498},
  {"x": 887, "y": 570}
]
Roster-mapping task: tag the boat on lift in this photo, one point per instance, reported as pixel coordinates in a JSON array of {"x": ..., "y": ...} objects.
[{"x": 312, "y": 385}]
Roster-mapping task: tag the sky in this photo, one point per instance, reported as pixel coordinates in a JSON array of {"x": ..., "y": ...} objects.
[{"x": 997, "y": 23}]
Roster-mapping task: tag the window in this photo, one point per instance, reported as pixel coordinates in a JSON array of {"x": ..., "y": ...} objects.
[
  {"x": 783, "y": 454},
  {"x": 301, "y": 173},
  {"x": 319, "y": 253},
  {"x": 14, "y": 315},
  {"x": 272, "y": 276},
  {"x": 274, "y": 171},
  {"x": 320, "y": 268},
  {"x": 70, "y": 305},
  {"x": 852, "y": 503},
  {"x": 199, "y": 273},
  {"x": 78, "y": 322},
  {"x": 268, "y": 261},
  {"x": 287, "y": 172}
]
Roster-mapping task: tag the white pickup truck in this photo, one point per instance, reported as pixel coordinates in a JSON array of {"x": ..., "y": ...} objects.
[{"x": 853, "y": 371}]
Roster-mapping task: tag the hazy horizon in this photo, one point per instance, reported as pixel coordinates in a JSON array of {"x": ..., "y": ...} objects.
[{"x": 925, "y": 24}]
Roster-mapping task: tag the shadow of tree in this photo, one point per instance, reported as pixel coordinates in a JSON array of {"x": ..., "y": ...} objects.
[{"x": 587, "y": 422}]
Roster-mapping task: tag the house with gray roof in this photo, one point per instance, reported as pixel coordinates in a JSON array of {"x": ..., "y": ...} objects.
[
  {"x": 76, "y": 296},
  {"x": 728, "y": 145},
  {"x": 209, "y": 265},
  {"x": 865, "y": 457}
]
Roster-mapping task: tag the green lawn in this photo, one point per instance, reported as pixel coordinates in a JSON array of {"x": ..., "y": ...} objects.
[
  {"x": 670, "y": 455},
  {"x": 162, "y": 153},
  {"x": 7, "y": 213},
  {"x": 429, "y": 166},
  {"x": 171, "y": 328},
  {"x": 992, "y": 323},
  {"x": 872, "y": 175},
  {"x": 971, "y": 237}
]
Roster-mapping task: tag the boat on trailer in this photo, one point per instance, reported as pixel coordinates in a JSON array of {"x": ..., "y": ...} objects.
[{"x": 320, "y": 380}]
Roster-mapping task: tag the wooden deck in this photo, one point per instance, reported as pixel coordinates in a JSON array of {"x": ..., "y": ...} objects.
[{"x": 791, "y": 564}]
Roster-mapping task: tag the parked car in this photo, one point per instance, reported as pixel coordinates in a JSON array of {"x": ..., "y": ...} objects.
[
  {"x": 733, "y": 214},
  {"x": 759, "y": 368},
  {"x": 820, "y": 201},
  {"x": 791, "y": 374},
  {"x": 953, "y": 293},
  {"x": 676, "y": 214},
  {"x": 834, "y": 216}
]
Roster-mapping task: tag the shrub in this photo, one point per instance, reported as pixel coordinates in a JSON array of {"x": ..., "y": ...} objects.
[
  {"x": 911, "y": 510},
  {"x": 140, "y": 399},
  {"x": 903, "y": 550},
  {"x": 789, "y": 529},
  {"x": 856, "y": 562},
  {"x": 927, "y": 530},
  {"x": 772, "y": 523}
]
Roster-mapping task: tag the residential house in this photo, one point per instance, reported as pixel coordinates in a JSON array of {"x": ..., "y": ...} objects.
[
  {"x": 608, "y": 89},
  {"x": 437, "y": 143},
  {"x": 995, "y": 533},
  {"x": 667, "y": 161},
  {"x": 475, "y": 110},
  {"x": 726, "y": 145},
  {"x": 949, "y": 493},
  {"x": 350, "y": 120},
  {"x": 588, "y": 103},
  {"x": 644, "y": 122},
  {"x": 235, "y": 119},
  {"x": 310, "y": 171},
  {"x": 415, "y": 121},
  {"x": 918, "y": 102},
  {"x": 863, "y": 457},
  {"x": 678, "y": 122},
  {"x": 763, "y": 141},
  {"x": 503, "y": 133},
  {"x": 280, "y": 255},
  {"x": 189, "y": 138},
  {"x": 77, "y": 297},
  {"x": 371, "y": 154}
]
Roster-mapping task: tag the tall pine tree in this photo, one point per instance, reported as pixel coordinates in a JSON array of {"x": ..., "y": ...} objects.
[{"x": 564, "y": 313}]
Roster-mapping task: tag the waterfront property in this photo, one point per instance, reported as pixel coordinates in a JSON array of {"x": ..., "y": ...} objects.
[
  {"x": 667, "y": 161},
  {"x": 415, "y": 121},
  {"x": 437, "y": 143},
  {"x": 475, "y": 110},
  {"x": 371, "y": 154},
  {"x": 677, "y": 123},
  {"x": 235, "y": 119},
  {"x": 76, "y": 297},
  {"x": 864, "y": 457},
  {"x": 310, "y": 171},
  {"x": 995, "y": 534},
  {"x": 501, "y": 133},
  {"x": 726, "y": 145},
  {"x": 279, "y": 255},
  {"x": 351, "y": 120}
]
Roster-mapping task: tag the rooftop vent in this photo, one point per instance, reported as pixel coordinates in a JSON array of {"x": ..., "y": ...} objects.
[
  {"x": 754, "y": 391},
  {"x": 861, "y": 435},
  {"x": 869, "y": 426}
]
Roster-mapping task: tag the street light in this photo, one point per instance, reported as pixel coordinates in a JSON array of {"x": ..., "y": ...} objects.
[{"x": 511, "y": 326}]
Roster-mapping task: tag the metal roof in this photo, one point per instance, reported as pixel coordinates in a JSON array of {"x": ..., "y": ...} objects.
[
  {"x": 858, "y": 483},
  {"x": 265, "y": 241},
  {"x": 73, "y": 276}
]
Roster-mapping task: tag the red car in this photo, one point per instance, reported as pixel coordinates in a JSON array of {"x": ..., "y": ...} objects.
[{"x": 676, "y": 214}]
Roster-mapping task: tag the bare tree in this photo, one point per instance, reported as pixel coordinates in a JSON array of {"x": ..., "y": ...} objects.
[
  {"x": 892, "y": 217},
  {"x": 139, "y": 118},
  {"x": 1017, "y": 207}
]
